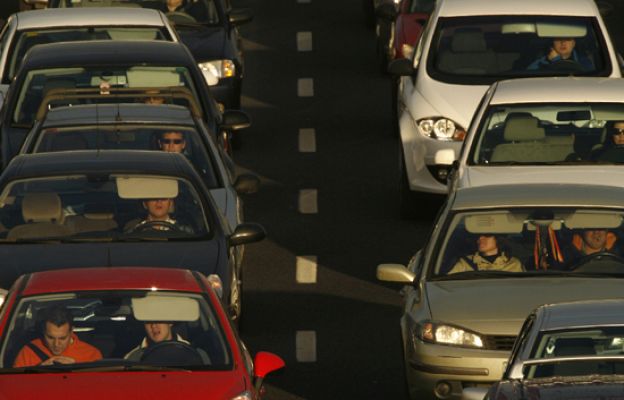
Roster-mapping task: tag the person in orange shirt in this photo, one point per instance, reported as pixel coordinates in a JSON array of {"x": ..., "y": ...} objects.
[{"x": 58, "y": 345}]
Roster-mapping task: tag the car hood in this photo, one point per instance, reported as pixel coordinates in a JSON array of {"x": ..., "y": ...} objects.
[
  {"x": 589, "y": 174},
  {"x": 596, "y": 389},
  {"x": 204, "y": 256},
  {"x": 123, "y": 385},
  {"x": 205, "y": 43},
  {"x": 500, "y": 306}
]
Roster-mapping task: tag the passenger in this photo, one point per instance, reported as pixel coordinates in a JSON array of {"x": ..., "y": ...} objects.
[
  {"x": 156, "y": 332},
  {"x": 591, "y": 241},
  {"x": 157, "y": 100},
  {"x": 489, "y": 257},
  {"x": 172, "y": 142},
  {"x": 612, "y": 149},
  {"x": 58, "y": 344},
  {"x": 562, "y": 49}
]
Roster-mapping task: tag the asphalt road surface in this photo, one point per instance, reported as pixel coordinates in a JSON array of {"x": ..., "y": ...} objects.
[{"x": 321, "y": 140}]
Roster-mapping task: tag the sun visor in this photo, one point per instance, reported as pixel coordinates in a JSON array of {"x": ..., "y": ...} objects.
[
  {"x": 554, "y": 30},
  {"x": 588, "y": 220},
  {"x": 146, "y": 187},
  {"x": 518, "y": 28},
  {"x": 149, "y": 77},
  {"x": 165, "y": 308},
  {"x": 503, "y": 222}
]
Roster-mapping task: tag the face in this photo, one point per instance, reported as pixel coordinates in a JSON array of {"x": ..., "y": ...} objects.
[
  {"x": 57, "y": 338},
  {"x": 158, "y": 209},
  {"x": 564, "y": 46},
  {"x": 618, "y": 136},
  {"x": 172, "y": 142},
  {"x": 595, "y": 239},
  {"x": 487, "y": 245},
  {"x": 155, "y": 100},
  {"x": 173, "y": 3},
  {"x": 158, "y": 331}
]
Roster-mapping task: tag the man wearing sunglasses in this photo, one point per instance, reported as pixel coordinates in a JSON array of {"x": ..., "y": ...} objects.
[
  {"x": 612, "y": 149},
  {"x": 172, "y": 142}
]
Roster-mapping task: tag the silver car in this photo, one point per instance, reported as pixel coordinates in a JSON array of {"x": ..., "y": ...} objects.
[{"x": 495, "y": 253}]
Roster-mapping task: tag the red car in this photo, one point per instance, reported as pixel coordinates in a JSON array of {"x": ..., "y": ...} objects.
[{"x": 126, "y": 333}]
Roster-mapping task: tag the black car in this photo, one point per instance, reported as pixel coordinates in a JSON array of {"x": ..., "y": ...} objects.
[
  {"x": 104, "y": 65},
  {"x": 207, "y": 27},
  {"x": 116, "y": 208}
]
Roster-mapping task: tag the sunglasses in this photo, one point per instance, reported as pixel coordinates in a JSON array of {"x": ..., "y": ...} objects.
[{"x": 171, "y": 141}]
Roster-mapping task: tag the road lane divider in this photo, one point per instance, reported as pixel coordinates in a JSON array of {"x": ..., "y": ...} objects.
[
  {"x": 305, "y": 87},
  {"x": 308, "y": 201},
  {"x": 307, "y": 140},
  {"x": 306, "y": 346},
  {"x": 306, "y": 269}
]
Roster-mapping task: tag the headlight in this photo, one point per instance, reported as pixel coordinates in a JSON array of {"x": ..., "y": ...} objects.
[
  {"x": 219, "y": 68},
  {"x": 441, "y": 128},
  {"x": 243, "y": 396},
  {"x": 446, "y": 334}
]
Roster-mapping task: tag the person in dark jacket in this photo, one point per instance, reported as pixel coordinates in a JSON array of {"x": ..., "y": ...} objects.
[{"x": 562, "y": 49}]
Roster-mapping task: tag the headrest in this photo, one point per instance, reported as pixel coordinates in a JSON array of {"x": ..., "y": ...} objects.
[
  {"x": 523, "y": 128},
  {"x": 468, "y": 41},
  {"x": 98, "y": 211},
  {"x": 42, "y": 207},
  {"x": 574, "y": 347}
]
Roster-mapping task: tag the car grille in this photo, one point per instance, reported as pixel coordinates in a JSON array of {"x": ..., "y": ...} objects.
[{"x": 499, "y": 342}]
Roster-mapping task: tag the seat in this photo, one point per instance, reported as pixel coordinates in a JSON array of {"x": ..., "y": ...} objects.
[
  {"x": 68, "y": 141},
  {"x": 569, "y": 347},
  {"x": 468, "y": 54},
  {"x": 524, "y": 139},
  {"x": 43, "y": 215},
  {"x": 94, "y": 219}
]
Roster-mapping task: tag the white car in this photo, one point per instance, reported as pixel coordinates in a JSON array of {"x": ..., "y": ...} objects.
[
  {"x": 26, "y": 29},
  {"x": 558, "y": 130},
  {"x": 469, "y": 44}
]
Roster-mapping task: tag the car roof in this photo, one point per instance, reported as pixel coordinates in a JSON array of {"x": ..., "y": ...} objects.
[
  {"x": 536, "y": 195},
  {"x": 96, "y": 16},
  {"x": 159, "y": 163},
  {"x": 106, "y": 52},
  {"x": 582, "y": 314},
  {"x": 558, "y": 90},
  {"x": 124, "y": 113},
  {"x": 449, "y": 8},
  {"x": 110, "y": 278}
]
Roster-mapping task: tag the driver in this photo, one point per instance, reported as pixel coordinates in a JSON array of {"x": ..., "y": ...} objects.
[
  {"x": 173, "y": 6},
  {"x": 591, "y": 241},
  {"x": 489, "y": 257},
  {"x": 613, "y": 148},
  {"x": 562, "y": 49},
  {"x": 172, "y": 142},
  {"x": 158, "y": 332},
  {"x": 159, "y": 216}
]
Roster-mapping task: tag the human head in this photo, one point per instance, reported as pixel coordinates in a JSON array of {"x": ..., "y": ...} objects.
[
  {"x": 564, "y": 46},
  {"x": 617, "y": 133},
  {"x": 158, "y": 331},
  {"x": 594, "y": 240},
  {"x": 154, "y": 100},
  {"x": 172, "y": 142},
  {"x": 158, "y": 209},
  {"x": 57, "y": 329},
  {"x": 173, "y": 4},
  {"x": 487, "y": 245}
]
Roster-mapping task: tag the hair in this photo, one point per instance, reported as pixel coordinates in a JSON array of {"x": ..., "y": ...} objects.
[{"x": 58, "y": 316}]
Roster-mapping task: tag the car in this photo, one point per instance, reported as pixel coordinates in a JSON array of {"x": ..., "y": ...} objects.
[
  {"x": 466, "y": 46},
  {"x": 494, "y": 254},
  {"x": 209, "y": 28},
  {"x": 26, "y": 29},
  {"x": 110, "y": 310},
  {"x": 134, "y": 125},
  {"x": 110, "y": 64},
  {"x": 562, "y": 135},
  {"x": 565, "y": 349},
  {"x": 117, "y": 207}
]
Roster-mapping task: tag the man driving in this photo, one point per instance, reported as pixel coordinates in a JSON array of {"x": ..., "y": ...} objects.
[
  {"x": 562, "y": 50},
  {"x": 159, "y": 217},
  {"x": 172, "y": 142}
]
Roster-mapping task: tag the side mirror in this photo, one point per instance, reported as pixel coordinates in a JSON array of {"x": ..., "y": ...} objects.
[
  {"x": 395, "y": 273},
  {"x": 264, "y": 364},
  {"x": 247, "y": 233},
  {"x": 246, "y": 184},
  {"x": 240, "y": 17},
  {"x": 444, "y": 157},
  {"x": 401, "y": 67},
  {"x": 234, "y": 120},
  {"x": 474, "y": 393},
  {"x": 386, "y": 11}
]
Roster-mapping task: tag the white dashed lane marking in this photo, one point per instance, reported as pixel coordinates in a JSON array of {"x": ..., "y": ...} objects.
[
  {"x": 305, "y": 87},
  {"x": 306, "y": 269},
  {"x": 307, "y": 140},
  {"x": 306, "y": 346},
  {"x": 304, "y": 41},
  {"x": 308, "y": 201}
]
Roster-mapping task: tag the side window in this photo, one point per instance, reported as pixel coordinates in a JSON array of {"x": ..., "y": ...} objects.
[{"x": 519, "y": 344}]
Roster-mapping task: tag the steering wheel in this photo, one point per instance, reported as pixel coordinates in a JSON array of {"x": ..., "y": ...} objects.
[
  {"x": 155, "y": 225},
  {"x": 566, "y": 65},
  {"x": 579, "y": 264},
  {"x": 171, "y": 352},
  {"x": 180, "y": 17}
]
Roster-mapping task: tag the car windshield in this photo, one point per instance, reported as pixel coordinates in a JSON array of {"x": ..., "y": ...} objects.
[
  {"x": 39, "y": 81},
  {"x": 130, "y": 329},
  {"x": 481, "y": 50},
  {"x": 550, "y": 133},
  {"x": 178, "y": 11},
  {"x": 594, "y": 342},
  {"x": 101, "y": 207},
  {"x": 161, "y": 137},
  {"x": 24, "y": 40},
  {"x": 525, "y": 242}
]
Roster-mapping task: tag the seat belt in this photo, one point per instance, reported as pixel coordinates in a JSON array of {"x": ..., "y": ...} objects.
[{"x": 40, "y": 353}]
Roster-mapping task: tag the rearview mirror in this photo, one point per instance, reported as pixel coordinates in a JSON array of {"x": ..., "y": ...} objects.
[
  {"x": 240, "y": 17},
  {"x": 246, "y": 184},
  {"x": 401, "y": 67},
  {"x": 264, "y": 364},
  {"x": 247, "y": 233},
  {"x": 395, "y": 273},
  {"x": 235, "y": 120}
]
